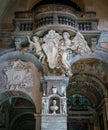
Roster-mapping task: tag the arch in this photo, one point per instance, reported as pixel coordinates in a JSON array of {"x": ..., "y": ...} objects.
[
  {"x": 9, "y": 95},
  {"x": 90, "y": 97},
  {"x": 22, "y": 56},
  {"x": 54, "y": 95},
  {"x": 81, "y": 112},
  {"x": 92, "y": 77},
  {"x": 99, "y": 55},
  {"x": 96, "y": 91},
  {"x": 80, "y": 3},
  {"x": 23, "y": 119},
  {"x": 71, "y": 3},
  {"x": 18, "y": 111},
  {"x": 78, "y": 99},
  {"x": 100, "y": 87}
]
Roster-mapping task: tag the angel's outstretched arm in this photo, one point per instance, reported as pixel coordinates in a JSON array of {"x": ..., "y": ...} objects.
[{"x": 28, "y": 38}]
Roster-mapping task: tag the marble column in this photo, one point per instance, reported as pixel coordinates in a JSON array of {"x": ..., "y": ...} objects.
[{"x": 38, "y": 120}]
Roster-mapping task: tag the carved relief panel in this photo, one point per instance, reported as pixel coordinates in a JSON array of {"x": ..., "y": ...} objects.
[{"x": 16, "y": 75}]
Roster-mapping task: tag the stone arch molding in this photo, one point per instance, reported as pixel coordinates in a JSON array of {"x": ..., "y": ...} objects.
[
  {"x": 84, "y": 83},
  {"x": 99, "y": 55},
  {"x": 19, "y": 116},
  {"x": 22, "y": 56},
  {"x": 8, "y": 95},
  {"x": 7, "y": 102}
]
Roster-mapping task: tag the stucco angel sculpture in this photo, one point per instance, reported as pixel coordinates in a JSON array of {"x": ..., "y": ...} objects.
[
  {"x": 35, "y": 44},
  {"x": 57, "y": 47},
  {"x": 80, "y": 45}
]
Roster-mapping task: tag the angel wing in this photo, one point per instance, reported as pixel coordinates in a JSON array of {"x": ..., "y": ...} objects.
[{"x": 79, "y": 44}]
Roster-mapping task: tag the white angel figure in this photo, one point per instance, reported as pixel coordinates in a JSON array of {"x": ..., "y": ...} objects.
[
  {"x": 44, "y": 106},
  {"x": 66, "y": 54},
  {"x": 79, "y": 44},
  {"x": 18, "y": 43},
  {"x": 34, "y": 43},
  {"x": 67, "y": 40}
]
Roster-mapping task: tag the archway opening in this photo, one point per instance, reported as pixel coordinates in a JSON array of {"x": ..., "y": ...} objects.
[
  {"x": 86, "y": 93},
  {"x": 24, "y": 122},
  {"x": 17, "y": 111},
  {"x": 80, "y": 112}
]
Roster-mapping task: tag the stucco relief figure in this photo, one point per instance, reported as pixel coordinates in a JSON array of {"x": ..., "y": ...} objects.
[
  {"x": 44, "y": 106},
  {"x": 65, "y": 53},
  {"x": 63, "y": 104},
  {"x": 17, "y": 43},
  {"x": 34, "y": 44},
  {"x": 50, "y": 47},
  {"x": 80, "y": 45},
  {"x": 67, "y": 39}
]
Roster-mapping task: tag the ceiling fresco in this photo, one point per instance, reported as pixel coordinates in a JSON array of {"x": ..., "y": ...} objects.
[{"x": 89, "y": 75}]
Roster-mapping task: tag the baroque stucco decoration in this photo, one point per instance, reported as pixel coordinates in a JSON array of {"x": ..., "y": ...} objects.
[
  {"x": 54, "y": 95},
  {"x": 18, "y": 75},
  {"x": 58, "y": 49}
]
